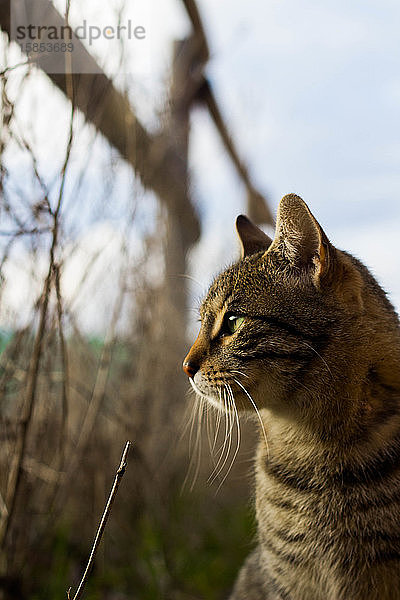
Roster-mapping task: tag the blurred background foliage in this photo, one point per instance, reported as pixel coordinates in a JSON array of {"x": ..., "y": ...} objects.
[
  {"x": 95, "y": 312},
  {"x": 118, "y": 189}
]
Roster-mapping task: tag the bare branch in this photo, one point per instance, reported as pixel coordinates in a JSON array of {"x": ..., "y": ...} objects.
[
  {"x": 194, "y": 16},
  {"x": 15, "y": 473},
  {"x": 256, "y": 204},
  {"x": 119, "y": 474},
  {"x": 109, "y": 110},
  {"x": 65, "y": 368},
  {"x": 254, "y": 197},
  {"x": 16, "y": 469}
]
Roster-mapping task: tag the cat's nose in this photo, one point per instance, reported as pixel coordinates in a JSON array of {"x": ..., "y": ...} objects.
[{"x": 190, "y": 368}]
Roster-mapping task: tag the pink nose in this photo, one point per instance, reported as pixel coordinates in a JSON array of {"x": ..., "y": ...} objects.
[{"x": 190, "y": 368}]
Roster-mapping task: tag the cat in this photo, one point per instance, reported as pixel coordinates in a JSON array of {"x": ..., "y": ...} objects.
[{"x": 303, "y": 332}]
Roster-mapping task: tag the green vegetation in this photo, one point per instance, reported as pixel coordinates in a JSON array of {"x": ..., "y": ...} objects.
[{"x": 196, "y": 556}]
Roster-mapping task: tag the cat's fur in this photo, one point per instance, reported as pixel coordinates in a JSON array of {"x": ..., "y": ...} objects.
[{"x": 319, "y": 353}]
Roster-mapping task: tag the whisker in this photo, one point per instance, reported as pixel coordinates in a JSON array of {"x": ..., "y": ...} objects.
[
  {"x": 228, "y": 438},
  {"x": 194, "y": 447},
  {"x": 230, "y": 412},
  {"x": 233, "y": 405},
  {"x": 221, "y": 450},
  {"x": 209, "y": 427},
  {"x": 195, "y": 413},
  {"x": 236, "y": 415},
  {"x": 198, "y": 444},
  {"x": 319, "y": 356},
  {"x": 239, "y": 372},
  {"x": 218, "y": 423},
  {"x": 191, "y": 278},
  {"x": 216, "y": 432},
  {"x": 222, "y": 447},
  {"x": 190, "y": 422},
  {"x": 257, "y": 412}
]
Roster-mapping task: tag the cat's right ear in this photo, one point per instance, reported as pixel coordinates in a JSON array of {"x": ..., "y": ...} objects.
[{"x": 251, "y": 238}]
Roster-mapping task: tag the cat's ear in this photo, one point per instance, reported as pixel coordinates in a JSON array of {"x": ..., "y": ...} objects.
[
  {"x": 300, "y": 238},
  {"x": 251, "y": 238},
  {"x": 301, "y": 241}
]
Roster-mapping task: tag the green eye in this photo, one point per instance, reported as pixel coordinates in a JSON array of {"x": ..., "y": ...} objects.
[{"x": 231, "y": 324}]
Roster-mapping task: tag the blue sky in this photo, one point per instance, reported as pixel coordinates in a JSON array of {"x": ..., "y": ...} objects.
[{"x": 311, "y": 94}]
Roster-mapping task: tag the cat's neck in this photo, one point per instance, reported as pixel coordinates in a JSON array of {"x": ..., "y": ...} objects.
[{"x": 351, "y": 415}]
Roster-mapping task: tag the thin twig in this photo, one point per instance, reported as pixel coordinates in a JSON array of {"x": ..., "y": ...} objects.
[
  {"x": 194, "y": 15},
  {"x": 118, "y": 476},
  {"x": 65, "y": 369},
  {"x": 207, "y": 96},
  {"x": 256, "y": 201}
]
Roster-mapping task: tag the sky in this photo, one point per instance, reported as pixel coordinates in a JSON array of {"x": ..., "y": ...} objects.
[{"x": 311, "y": 94}]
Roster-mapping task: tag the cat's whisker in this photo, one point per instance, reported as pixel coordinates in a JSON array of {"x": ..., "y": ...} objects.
[
  {"x": 233, "y": 405},
  {"x": 218, "y": 423},
  {"x": 224, "y": 456},
  {"x": 221, "y": 450},
  {"x": 230, "y": 418},
  {"x": 191, "y": 421},
  {"x": 198, "y": 443},
  {"x": 188, "y": 419},
  {"x": 237, "y": 423},
  {"x": 191, "y": 278},
  {"x": 319, "y": 356},
  {"x": 216, "y": 431},
  {"x": 257, "y": 412},
  {"x": 195, "y": 411},
  {"x": 240, "y": 373},
  {"x": 209, "y": 426},
  {"x": 194, "y": 447}
]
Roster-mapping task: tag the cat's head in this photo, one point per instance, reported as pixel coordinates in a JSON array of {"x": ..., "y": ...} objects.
[{"x": 270, "y": 322}]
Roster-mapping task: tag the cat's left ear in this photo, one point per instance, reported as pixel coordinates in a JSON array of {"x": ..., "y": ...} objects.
[
  {"x": 300, "y": 239},
  {"x": 251, "y": 238}
]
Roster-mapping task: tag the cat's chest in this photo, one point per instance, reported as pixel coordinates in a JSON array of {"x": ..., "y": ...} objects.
[
  {"x": 316, "y": 530},
  {"x": 320, "y": 507}
]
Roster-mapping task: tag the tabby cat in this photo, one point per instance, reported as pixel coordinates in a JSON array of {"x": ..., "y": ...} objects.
[{"x": 302, "y": 331}]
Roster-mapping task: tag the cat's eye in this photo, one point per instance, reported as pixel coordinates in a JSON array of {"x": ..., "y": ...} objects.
[{"x": 231, "y": 324}]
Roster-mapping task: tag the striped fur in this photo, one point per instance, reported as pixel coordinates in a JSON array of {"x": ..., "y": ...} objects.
[{"x": 318, "y": 354}]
